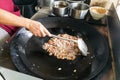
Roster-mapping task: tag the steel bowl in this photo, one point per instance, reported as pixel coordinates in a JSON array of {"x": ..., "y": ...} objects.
[
  {"x": 78, "y": 10},
  {"x": 97, "y": 12},
  {"x": 60, "y": 8}
]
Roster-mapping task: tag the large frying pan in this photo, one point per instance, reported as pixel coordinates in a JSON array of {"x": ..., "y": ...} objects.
[{"x": 29, "y": 57}]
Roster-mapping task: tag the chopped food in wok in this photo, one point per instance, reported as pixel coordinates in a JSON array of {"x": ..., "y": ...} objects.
[{"x": 62, "y": 49}]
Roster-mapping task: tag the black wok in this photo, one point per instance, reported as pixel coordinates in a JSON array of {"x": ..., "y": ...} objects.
[{"x": 32, "y": 59}]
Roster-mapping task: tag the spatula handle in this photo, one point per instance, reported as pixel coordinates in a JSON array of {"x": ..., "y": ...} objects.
[{"x": 63, "y": 38}]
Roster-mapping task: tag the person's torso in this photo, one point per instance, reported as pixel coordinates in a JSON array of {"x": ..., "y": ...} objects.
[{"x": 9, "y": 6}]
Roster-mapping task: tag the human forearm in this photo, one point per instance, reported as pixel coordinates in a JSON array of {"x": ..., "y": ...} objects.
[
  {"x": 11, "y": 19},
  {"x": 35, "y": 27}
]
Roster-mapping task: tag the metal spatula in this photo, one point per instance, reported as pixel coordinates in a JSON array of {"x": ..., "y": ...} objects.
[{"x": 81, "y": 44}]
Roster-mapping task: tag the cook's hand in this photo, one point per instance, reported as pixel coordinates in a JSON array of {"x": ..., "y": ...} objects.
[{"x": 37, "y": 28}]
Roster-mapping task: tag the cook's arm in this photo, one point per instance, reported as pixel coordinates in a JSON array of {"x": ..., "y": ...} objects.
[{"x": 35, "y": 27}]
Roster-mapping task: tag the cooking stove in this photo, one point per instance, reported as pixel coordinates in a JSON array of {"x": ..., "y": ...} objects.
[{"x": 108, "y": 28}]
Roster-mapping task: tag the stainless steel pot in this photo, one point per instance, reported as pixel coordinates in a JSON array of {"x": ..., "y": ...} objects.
[
  {"x": 78, "y": 10},
  {"x": 72, "y": 1},
  {"x": 85, "y": 1},
  {"x": 60, "y": 8},
  {"x": 45, "y": 3}
]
